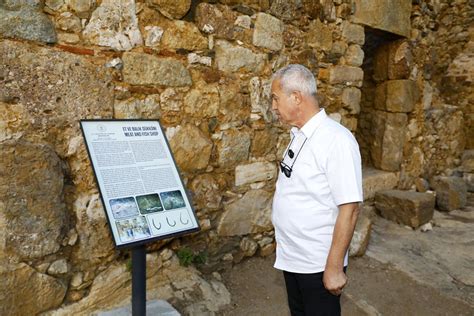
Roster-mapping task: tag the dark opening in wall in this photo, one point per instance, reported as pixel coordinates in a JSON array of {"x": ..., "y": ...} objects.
[{"x": 367, "y": 131}]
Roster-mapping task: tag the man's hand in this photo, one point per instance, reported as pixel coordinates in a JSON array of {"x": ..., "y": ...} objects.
[{"x": 334, "y": 280}]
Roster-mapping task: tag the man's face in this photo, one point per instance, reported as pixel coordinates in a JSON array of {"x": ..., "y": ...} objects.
[{"x": 282, "y": 104}]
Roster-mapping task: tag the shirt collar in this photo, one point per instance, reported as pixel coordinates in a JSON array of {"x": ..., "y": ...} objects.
[{"x": 312, "y": 124}]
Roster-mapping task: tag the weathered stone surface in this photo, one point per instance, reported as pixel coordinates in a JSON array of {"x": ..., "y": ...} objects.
[
  {"x": 153, "y": 35},
  {"x": 351, "y": 99},
  {"x": 260, "y": 92},
  {"x": 398, "y": 96},
  {"x": 389, "y": 138},
  {"x": 405, "y": 207},
  {"x": 285, "y": 9},
  {"x": 248, "y": 246},
  {"x": 387, "y": 15},
  {"x": 264, "y": 142},
  {"x": 27, "y": 23},
  {"x": 202, "y": 101},
  {"x": 81, "y": 7},
  {"x": 135, "y": 108},
  {"x": 319, "y": 36},
  {"x": 259, "y": 5},
  {"x": 191, "y": 148},
  {"x": 268, "y": 32},
  {"x": 27, "y": 292},
  {"x": 393, "y": 61},
  {"x": 69, "y": 22},
  {"x": 114, "y": 24},
  {"x": 353, "y": 33},
  {"x": 451, "y": 193},
  {"x": 145, "y": 69},
  {"x": 361, "y": 237},
  {"x": 205, "y": 192},
  {"x": 233, "y": 148},
  {"x": 267, "y": 249},
  {"x": 254, "y": 172},
  {"x": 345, "y": 74},
  {"x": 468, "y": 161},
  {"x": 172, "y": 9},
  {"x": 183, "y": 35},
  {"x": 250, "y": 214},
  {"x": 431, "y": 259},
  {"x": 216, "y": 20},
  {"x": 354, "y": 55},
  {"x": 95, "y": 244},
  {"x": 32, "y": 192},
  {"x": 58, "y": 267},
  {"x": 374, "y": 180},
  {"x": 469, "y": 180},
  {"x": 54, "y": 5},
  {"x": 234, "y": 106},
  {"x": 231, "y": 58}
]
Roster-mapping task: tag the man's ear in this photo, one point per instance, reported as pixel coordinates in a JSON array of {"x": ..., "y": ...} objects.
[{"x": 298, "y": 97}]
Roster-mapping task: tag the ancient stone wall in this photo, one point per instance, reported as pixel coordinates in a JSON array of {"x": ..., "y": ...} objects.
[{"x": 203, "y": 68}]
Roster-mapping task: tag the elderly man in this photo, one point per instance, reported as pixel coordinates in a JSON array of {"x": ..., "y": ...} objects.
[{"x": 318, "y": 190}]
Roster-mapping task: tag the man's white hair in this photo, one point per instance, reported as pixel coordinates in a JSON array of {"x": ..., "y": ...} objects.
[{"x": 296, "y": 77}]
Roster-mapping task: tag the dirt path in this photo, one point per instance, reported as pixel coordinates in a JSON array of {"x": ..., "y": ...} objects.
[{"x": 374, "y": 289}]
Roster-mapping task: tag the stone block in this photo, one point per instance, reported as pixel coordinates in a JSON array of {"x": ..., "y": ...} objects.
[
  {"x": 27, "y": 292},
  {"x": 32, "y": 201},
  {"x": 451, "y": 193},
  {"x": 345, "y": 74},
  {"x": 250, "y": 214},
  {"x": 405, "y": 207},
  {"x": 172, "y": 9},
  {"x": 205, "y": 192},
  {"x": 397, "y": 96},
  {"x": 254, "y": 172},
  {"x": 354, "y": 56},
  {"x": 387, "y": 15},
  {"x": 268, "y": 32},
  {"x": 145, "y": 69},
  {"x": 248, "y": 246},
  {"x": 319, "y": 36},
  {"x": 114, "y": 24},
  {"x": 374, "y": 180},
  {"x": 183, "y": 35},
  {"x": 393, "y": 61},
  {"x": 191, "y": 148},
  {"x": 233, "y": 148},
  {"x": 230, "y": 58},
  {"x": 361, "y": 237},
  {"x": 27, "y": 23},
  {"x": 353, "y": 33},
  {"x": 80, "y": 7},
  {"x": 351, "y": 99},
  {"x": 389, "y": 139},
  {"x": 202, "y": 102},
  {"x": 287, "y": 10},
  {"x": 216, "y": 20},
  {"x": 469, "y": 180},
  {"x": 468, "y": 161}
]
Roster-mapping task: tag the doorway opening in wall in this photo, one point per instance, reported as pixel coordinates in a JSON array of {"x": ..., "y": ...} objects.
[{"x": 371, "y": 134}]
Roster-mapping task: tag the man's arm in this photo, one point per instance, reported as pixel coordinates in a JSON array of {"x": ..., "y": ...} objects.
[{"x": 334, "y": 278}]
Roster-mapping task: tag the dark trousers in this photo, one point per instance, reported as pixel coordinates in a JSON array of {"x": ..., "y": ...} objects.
[{"x": 307, "y": 295}]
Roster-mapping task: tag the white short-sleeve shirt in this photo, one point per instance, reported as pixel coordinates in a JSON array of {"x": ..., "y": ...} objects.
[{"x": 326, "y": 172}]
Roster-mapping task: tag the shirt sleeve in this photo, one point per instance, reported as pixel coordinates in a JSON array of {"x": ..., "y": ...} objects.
[{"x": 344, "y": 169}]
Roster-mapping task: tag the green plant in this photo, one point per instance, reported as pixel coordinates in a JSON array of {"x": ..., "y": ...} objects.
[{"x": 187, "y": 256}]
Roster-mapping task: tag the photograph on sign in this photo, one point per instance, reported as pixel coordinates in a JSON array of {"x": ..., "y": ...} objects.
[{"x": 141, "y": 190}]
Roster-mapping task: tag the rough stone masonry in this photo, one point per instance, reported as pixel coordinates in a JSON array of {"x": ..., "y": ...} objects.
[{"x": 399, "y": 76}]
